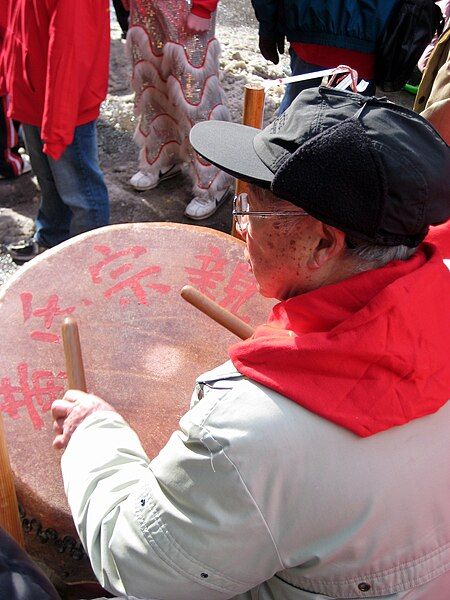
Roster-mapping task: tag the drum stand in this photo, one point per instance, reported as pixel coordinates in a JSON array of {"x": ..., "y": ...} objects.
[
  {"x": 9, "y": 509},
  {"x": 254, "y": 96}
]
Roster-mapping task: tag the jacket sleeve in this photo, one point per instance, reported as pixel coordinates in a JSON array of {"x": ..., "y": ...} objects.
[
  {"x": 266, "y": 12},
  {"x": 181, "y": 526},
  {"x": 62, "y": 89},
  {"x": 204, "y": 8},
  {"x": 72, "y": 51}
]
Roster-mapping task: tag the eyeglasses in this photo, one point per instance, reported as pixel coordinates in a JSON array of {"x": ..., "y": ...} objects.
[{"x": 241, "y": 212}]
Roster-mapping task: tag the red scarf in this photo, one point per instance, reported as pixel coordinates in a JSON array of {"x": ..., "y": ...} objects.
[
  {"x": 368, "y": 353},
  {"x": 440, "y": 236}
]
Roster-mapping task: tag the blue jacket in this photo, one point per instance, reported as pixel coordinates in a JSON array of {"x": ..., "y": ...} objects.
[{"x": 351, "y": 24}]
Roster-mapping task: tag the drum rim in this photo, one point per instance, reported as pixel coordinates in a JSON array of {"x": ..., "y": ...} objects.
[{"x": 94, "y": 232}]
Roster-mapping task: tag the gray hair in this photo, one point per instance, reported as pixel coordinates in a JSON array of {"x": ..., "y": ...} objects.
[
  {"x": 373, "y": 256},
  {"x": 364, "y": 255}
]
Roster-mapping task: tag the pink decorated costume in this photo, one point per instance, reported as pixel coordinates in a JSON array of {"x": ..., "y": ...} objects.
[{"x": 175, "y": 77}]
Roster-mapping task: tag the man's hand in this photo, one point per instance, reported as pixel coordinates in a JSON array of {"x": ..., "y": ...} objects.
[
  {"x": 195, "y": 24},
  {"x": 271, "y": 47},
  {"x": 69, "y": 412}
]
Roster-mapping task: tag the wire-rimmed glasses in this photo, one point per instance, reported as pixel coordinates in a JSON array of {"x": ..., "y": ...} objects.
[{"x": 241, "y": 212}]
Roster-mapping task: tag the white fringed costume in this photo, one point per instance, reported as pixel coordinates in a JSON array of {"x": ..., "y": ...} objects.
[{"x": 175, "y": 77}]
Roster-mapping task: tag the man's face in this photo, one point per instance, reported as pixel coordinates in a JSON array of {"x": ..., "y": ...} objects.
[{"x": 278, "y": 247}]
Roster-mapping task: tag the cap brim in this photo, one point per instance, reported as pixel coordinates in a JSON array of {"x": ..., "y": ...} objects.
[{"x": 229, "y": 146}]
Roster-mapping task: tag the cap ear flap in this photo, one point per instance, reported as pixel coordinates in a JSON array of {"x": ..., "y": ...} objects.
[{"x": 337, "y": 177}]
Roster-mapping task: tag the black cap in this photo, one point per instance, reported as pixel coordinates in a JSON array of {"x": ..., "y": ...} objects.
[{"x": 371, "y": 168}]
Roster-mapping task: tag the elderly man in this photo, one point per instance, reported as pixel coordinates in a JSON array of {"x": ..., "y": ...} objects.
[{"x": 314, "y": 464}]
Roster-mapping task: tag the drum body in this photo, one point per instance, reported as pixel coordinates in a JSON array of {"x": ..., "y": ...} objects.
[{"x": 142, "y": 346}]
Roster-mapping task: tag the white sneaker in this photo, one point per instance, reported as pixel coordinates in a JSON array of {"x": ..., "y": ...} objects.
[
  {"x": 147, "y": 180},
  {"x": 203, "y": 207},
  {"x": 26, "y": 167}
]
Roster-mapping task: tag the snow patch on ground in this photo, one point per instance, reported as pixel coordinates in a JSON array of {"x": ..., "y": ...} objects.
[{"x": 241, "y": 63}]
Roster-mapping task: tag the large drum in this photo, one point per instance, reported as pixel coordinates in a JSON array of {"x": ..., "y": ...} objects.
[{"x": 142, "y": 346}]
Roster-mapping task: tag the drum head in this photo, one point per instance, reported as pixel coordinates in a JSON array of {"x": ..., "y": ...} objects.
[{"x": 142, "y": 345}]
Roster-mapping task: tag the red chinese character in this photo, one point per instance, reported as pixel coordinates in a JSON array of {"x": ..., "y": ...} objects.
[
  {"x": 47, "y": 313},
  {"x": 94, "y": 270},
  {"x": 44, "y": 389},
  {"x": 134, "y": 282},
  {"x": 240, "y": 288},
  {"x": 206, "y": 277}
]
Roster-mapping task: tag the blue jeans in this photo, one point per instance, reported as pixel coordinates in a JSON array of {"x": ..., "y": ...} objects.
[
  {"x": 300, "y": 67},
  {"x": 74, "y": 195}
]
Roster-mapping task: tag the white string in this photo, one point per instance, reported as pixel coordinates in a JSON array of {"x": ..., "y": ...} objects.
[
  {"x": 267, "y": 83},
  {"x": 344, "y": 84}
]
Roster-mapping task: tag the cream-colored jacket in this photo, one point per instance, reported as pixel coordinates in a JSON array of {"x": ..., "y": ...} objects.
[{"x": 258, "y": 498}]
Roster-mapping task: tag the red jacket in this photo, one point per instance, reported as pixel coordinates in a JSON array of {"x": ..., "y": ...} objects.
[
  {"x": 56, "y": 64},
  {"x": 3, "y": 21}
]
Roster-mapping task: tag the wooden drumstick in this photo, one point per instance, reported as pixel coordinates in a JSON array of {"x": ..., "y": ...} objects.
[
  {"x": 217, "y": 313},
  {"x": 72, "y": 352},
  {"x": 254, "y": 96},
  {"x": 9, "y": 510}
]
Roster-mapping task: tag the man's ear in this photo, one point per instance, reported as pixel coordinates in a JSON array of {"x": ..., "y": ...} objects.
[{"x": 330, "y": 243}]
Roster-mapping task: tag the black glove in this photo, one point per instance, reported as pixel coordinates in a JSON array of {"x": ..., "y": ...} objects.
[{"x": 271, "y": 47}]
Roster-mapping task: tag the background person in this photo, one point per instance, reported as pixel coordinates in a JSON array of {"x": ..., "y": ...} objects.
[
  {"x": 444, "y": 5},
  {"x": 56, "y": 65},
  {"x": 176, "y": 79},
  {"x": 12, "y": 164},
  {"x": 311, "y": 465},
  {"x": 322, "y": 35},
  {"x": 433, "y": 96},
  {"x": 122, "y": 10}
]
